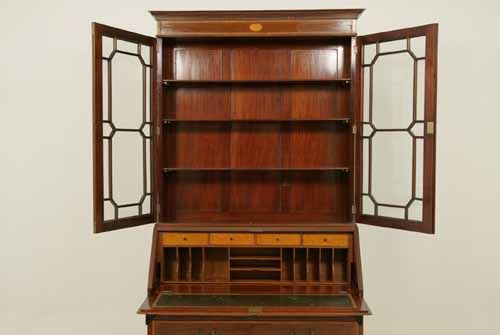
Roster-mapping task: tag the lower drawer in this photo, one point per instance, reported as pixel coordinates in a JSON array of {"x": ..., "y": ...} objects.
[{"x": 256, "y": 328}]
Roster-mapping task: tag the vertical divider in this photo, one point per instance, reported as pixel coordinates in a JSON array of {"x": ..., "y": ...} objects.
[
  {"x": 163, "y": 275},
  {"x": 281, "y": 265},
  {"x": 333, "y": 264},
  {"x": 202, "y": 275},
  {"x": 190, "y": 265},
  {"x": 177, "y": 265},
  {"x": 228, "y": 265},
  {"x": 350, "y": 260},
  {"x": 293, "y": 265},
  {"x": 308, "y": 266},
  {"x": 321, "y": 270}
]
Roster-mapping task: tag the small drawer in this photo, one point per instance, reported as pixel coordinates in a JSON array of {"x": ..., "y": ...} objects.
[
  {"x": 278, "y": 239},
  {"x": 231, "y": 239},
  {"x": 185, "y": 239},
  {"x": 330, "y": 240}
]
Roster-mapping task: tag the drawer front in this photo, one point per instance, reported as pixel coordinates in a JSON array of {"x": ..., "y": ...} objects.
[
  {"x": 264, "y": 328},
  {"x": 185, "y": 239},
  {"x": 278, "y": 239},
  {"x": 330, "y": 240},
  {"x": 231, "y": 239}
]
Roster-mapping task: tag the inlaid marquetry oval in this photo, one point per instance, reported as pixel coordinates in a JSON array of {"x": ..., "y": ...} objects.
[{"x": 256, "y": 27}]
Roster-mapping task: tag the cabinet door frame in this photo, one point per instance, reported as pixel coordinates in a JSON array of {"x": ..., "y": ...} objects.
[
  {"x": 427, "y": 225},
  {"x": 98, "y": 32}
]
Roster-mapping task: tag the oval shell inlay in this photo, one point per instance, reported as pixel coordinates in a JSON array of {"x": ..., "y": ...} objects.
[{"x": 256, "y": 27}]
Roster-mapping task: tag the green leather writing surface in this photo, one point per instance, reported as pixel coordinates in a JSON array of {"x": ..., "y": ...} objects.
[{"x": 207, "y": 300}]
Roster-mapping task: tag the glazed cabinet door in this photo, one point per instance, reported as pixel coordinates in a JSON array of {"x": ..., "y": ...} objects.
[
  {"x": 396, "y": 128},
  {"x": 123, "y": 68}
]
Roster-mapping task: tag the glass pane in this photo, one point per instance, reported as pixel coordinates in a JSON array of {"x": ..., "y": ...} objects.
[
  {"x": 128, "y": 211},
  {"x": 419, "y": 168},
  {"x": 145, "y": 54},
  {"x": 369, "y": 52},
  {"x": 392, "y": 139},
  {"x": 415, "y": 211},
  {"x": 127, "y": 46},
  {"x": 368, "y": 205},
  {"x": 109, "y": 211},
  {"x": 418, "y": 46},
  {"x": 392, "y": 46},
  {"x": 107, "y": 46},
  {"x": 105, "y": 92},
  {"x": 127, "y": 167},
  {"x": 126, "y": 82},
  {"x": 393, "y": 91},
  {"x": 126, "y": 91},
  {"x": 420, "y": 90},
  {"x": 366, "y": 93},
  {"x": 392, "y": 167},
  {"x": 366, "y": 161},
  {"x": 392, "y": 212}
]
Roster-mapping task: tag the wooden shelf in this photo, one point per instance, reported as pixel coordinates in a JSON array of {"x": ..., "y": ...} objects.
[
  {"x": 332, "y": 168},
  {"x": 260, "y": 269},
  {"x": 256, "y": 258},
  {"x": 345, "y": 120},
  {"x": 173, "y": 82}
]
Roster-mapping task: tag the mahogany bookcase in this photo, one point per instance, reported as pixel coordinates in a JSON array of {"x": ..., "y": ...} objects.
[{"x": 255, "y": 141}]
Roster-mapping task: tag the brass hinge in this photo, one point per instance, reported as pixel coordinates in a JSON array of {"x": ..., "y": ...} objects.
[
  {"x": 430, "y": 128},
  {"x": 158, "y": 130},
  {"x": 354, "y": 129},
  {"x": 353, "y": 209}
]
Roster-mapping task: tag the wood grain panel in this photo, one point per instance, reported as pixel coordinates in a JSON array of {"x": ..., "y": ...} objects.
[
  {"x": 269, "y": 28},
  {"x": 259, "y": 64},
  {"x": 257, "y": 103},
  {"x": 255, "y": 145},
  {"x": 232, "y": 239},
  {"x": 318, "y": 192},
  {"x": 316, "y": 102},
  {"x": 257, "y": 328},
  {"x": 331, "y": 240},
  {"x": 317, "y": 145},
  {"x": 199, "y": 145},
  {"x": 200, "y": 103},
  {"x": 278, "y": 239},
  {"x": 314, "y": 64},
  {"x": 184, "y": 238},
  {"x": 256, "y": 192},
  {"x": 195, "y": 191},
  {"x": 198, "y": 64}
]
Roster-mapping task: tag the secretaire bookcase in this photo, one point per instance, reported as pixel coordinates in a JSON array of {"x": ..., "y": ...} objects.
[{"x": 255, "y": 141}]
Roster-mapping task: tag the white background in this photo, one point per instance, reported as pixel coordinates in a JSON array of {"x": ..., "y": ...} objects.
[{"x": 58, "y": 278}]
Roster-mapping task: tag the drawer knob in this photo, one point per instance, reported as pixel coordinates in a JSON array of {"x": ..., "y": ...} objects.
[
  {"x": 185, "y": 238},
  {"x": 325, "y": 240},
  {"x": 230, "y": 239}
]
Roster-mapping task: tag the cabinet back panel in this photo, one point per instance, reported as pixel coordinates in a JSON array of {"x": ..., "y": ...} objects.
[
  {"x": 257, "y": 196},
  {"x": 213, "y": 147},
  {"x": 198, "y": 103}
]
